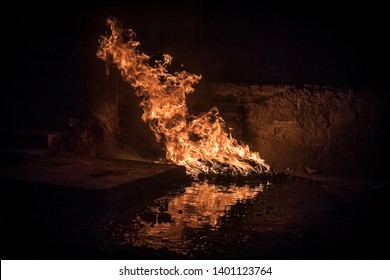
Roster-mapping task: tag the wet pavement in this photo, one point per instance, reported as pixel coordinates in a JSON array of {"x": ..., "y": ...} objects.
[{"x": 283, "y": 218}]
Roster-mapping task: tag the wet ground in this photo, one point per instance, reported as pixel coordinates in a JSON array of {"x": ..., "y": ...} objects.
[{"x": 285, "y": 218}]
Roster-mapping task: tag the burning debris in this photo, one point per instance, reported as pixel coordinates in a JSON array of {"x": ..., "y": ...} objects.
[{"x": 200, "y": 143}]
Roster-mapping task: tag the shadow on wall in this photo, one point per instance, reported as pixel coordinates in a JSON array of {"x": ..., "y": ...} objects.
[{"x": 124, "y": 134}]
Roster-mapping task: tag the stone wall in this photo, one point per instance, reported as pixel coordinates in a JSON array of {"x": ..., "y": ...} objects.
[{"x": 335, "y": 130}]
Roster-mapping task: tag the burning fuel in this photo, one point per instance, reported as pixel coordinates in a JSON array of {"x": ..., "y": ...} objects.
[{"x": 200, "y": 143}]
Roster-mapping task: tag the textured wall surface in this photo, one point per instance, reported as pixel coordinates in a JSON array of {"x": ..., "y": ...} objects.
[{"x": 337, "y": 130}]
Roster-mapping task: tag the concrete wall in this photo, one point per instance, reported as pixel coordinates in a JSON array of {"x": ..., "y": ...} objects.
[{"x": 337, "y": 130}]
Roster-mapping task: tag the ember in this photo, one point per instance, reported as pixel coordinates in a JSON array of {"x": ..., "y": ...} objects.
[{"x": 200, "y": 143}]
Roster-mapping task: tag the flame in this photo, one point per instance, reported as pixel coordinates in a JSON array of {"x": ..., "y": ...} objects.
[{"x": 200, "y": 143}]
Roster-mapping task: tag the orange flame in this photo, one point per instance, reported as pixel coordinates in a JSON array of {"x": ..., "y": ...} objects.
[{"x": 200, "y": 143}]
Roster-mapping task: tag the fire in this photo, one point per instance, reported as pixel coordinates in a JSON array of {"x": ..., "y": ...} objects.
[{"x": 200, "y": 143}]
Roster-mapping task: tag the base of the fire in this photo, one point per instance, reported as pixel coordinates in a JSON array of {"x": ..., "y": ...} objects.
[{"x": 265, "y": 177}]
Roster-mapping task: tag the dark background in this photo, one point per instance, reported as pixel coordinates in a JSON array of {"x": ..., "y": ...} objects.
[
  {"x": 48, "y": 45},
  {"x": 49, "y": 68}
]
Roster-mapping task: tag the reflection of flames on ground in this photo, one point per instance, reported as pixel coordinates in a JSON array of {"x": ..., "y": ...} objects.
[
  {"x": 201, "y": 206},
  {"x": 200, "y": 143}
]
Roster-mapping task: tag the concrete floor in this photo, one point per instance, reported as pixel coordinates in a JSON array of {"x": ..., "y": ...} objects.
[{"x": 82, "y": 179}]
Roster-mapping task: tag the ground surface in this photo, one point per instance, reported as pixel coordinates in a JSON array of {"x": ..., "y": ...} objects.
[{"x": 289, "y": 217}]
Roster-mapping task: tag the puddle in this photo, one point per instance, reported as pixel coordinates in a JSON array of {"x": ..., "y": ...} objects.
[{"x": 181, "y": 220}]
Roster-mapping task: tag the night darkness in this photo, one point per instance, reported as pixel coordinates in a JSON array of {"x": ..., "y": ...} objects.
[
  {"x": 52, "y": 71},
  {"x": 48, "y": 44}
]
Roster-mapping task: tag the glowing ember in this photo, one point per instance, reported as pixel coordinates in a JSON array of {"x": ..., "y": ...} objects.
[{"x": 200, "y": 143}]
